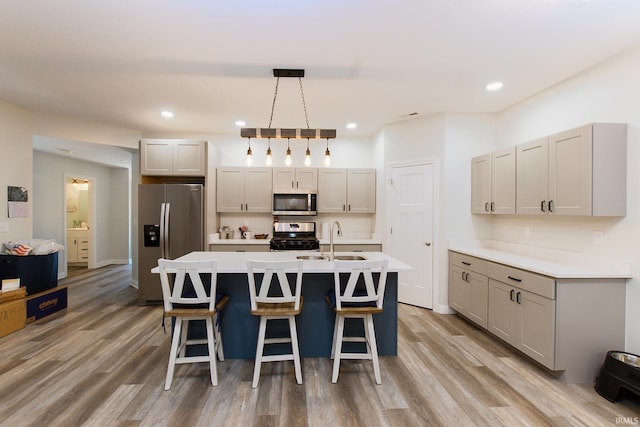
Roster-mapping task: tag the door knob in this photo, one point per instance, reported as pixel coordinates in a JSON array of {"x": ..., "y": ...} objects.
[{"x": 427, "y": 243}]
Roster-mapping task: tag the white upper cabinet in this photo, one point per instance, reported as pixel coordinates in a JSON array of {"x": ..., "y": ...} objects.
[
  {"x": 332, "y": 190},
  {"x": 346, "y": 190},
  {"x": 581, "y": 171},
  {"x": 171, "y": 157},
  {"x": 361, "y": 191},
  {"x": 493, "y": 183},
  {"x": 481, "y": 184},
  {"x": 533, "y": 177},
  {"x": 295, "y": 179},
  {"x": 243, "y": 190}
]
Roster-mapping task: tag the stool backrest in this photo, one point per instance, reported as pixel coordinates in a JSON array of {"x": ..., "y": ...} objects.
[
  {"x": 370, "y": 294},
  {"x": 274, "y": 291},
  {"x": 177, "y": 292}
]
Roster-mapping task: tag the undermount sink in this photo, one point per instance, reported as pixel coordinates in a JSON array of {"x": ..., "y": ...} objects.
[
  {"x": 349, "y": 257},
  {"x": 326, "y": 257},
  {"x": 313, "y": 257}
]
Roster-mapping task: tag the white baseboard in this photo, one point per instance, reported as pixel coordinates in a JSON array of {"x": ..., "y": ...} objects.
[
  {"x": 443, "y": 309},
  {"x": 111, "y": 262}
]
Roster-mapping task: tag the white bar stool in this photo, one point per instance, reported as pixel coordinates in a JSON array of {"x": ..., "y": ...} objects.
[
  {"x": 357, "y": 302},
  {"x": 186, "y": 307},
  {"x": 275, "y": 302}
]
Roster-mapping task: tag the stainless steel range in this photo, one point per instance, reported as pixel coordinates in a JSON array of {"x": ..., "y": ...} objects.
[{"x": 294, "y": 236}]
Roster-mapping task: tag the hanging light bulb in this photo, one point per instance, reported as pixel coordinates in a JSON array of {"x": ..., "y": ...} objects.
[
  {"x": 269, "y": 159},
  {"x": 287, "y": 160},
  {"x": 327, "y": 155},
  {"x": 249, "y": 155},
  {"x": 307, "y": 155}
]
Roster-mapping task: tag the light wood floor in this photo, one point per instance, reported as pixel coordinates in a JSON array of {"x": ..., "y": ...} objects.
[{"x": 103, "y": 363}]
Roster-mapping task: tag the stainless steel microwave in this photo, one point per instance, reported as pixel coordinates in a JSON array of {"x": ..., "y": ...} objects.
[{"x": 294, "y": 204}]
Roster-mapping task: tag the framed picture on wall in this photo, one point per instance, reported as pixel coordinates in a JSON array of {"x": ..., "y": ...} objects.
[{"x": 17, "y": 198}]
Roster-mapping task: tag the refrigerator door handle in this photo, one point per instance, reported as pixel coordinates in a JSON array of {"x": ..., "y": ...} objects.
[
  {"x": 167, "y": 228},
  {"x": 162, "y": 231}
]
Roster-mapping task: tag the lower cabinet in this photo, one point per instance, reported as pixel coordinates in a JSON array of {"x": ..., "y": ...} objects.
[
  {"x": 565, "y": 324},
  {"x": 468, "y": 292},
  {"x": 77, "y": 246},
  {"x": 524, "y": 320},
  {"x": 345, "y": 247}
]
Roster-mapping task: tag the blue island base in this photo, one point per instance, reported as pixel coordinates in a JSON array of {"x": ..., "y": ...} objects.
[{"x": 315, "y": 322}]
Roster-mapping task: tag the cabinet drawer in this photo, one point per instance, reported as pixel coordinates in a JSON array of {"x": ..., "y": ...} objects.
[
  {"x": 468, "y": 262},
  {"x": 535, "y": 283}
]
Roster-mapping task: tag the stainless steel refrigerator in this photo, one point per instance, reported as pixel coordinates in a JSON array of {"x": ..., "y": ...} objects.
[{"x": 170, "y": 224}]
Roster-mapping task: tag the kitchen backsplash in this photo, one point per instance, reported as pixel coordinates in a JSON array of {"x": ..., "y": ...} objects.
[{"x": 354, "y": 226}]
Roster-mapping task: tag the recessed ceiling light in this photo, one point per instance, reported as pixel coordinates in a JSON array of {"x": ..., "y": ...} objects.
[
  {"x": 494, "y": 86},
  {"x": 240, "y": 123},
  {"x": 167, "y": 114},
  {"x": 352, "y": 125}
]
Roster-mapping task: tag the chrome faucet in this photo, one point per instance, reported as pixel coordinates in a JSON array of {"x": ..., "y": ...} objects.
[{"x": 331, "y": 257}]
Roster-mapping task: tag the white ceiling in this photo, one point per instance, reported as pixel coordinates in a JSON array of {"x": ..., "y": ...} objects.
[{"x": 368, "y": 61}]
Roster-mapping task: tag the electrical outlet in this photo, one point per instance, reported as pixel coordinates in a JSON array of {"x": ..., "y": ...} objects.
[
  {"x": 598, "y": 237},
  {"x": 4, "y": 227}
]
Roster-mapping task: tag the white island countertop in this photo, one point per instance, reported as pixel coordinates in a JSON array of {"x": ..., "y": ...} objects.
[
  {"x": 548, "y": 262},
  {"x": 236, "y": 262},
  {"x": 323, "y": 241}
]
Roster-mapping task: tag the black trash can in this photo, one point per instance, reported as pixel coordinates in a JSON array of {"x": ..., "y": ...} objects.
[{"x": 619, "y": 370}]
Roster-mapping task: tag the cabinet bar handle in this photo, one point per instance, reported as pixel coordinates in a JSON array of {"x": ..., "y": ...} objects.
[
  {"x": 493, "y": 205},
  {"x": 515, "y": 279},
  {"x": 462, "y": 275},
  {"x": 519, "y": 297},
  {"x": 466, "y": 263},
  {"x": 486, "y": 206},
  {"x": 344, "y": 208},
  {"x": 550, "y": 205},
  {"x": 511, "y": 294},
  {"x": 246, "y": 206},
  {"x": 467, "y": 277},
  {"x": 542, "y": 206}
]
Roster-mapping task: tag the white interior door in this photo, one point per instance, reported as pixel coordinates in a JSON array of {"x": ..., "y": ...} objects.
[{"x": 411, "y": 231}]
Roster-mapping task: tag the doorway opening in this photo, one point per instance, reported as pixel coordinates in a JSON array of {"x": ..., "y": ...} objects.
[{"x": 79, "y": 220}]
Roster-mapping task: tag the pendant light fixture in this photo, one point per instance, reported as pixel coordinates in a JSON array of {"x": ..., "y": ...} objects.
[
  {"x": 287, "y": 160},
  {"x": 269, "y": 159},
  {"x": 295, "y": 133},
  {"x": 307, "y": 155},
  {"x": 249, "y": 155},
  {"x": 327, "y": 155}
]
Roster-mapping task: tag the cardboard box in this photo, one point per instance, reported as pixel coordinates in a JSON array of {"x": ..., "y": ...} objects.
[
  {"x": 13, "y": 316},
  {"x": 7, "y": 296},
  {"x": 46, "y": 303}
]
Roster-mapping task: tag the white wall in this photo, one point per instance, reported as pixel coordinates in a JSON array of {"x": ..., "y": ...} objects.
[
  {"x": 17, "y": 129},
  {"x": 451, "y": 140},
  {"x": 609, "y": 92},
  {"x": 15, "y": 167},
  {"x": 112, "y": 205}
]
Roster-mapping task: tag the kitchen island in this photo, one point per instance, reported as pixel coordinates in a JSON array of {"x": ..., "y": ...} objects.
[{"x": 315, "y": 322}]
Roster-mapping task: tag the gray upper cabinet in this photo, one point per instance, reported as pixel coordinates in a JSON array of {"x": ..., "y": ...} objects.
[
  {"x": 346, "y": 190},
  {"x": 581, "y": 171},
  {"x": 172, "y": 157},
  {"x": 295, "y": 179},
  {"x": 493, "y": 183},
  {"x": 243, "y": 190}
]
